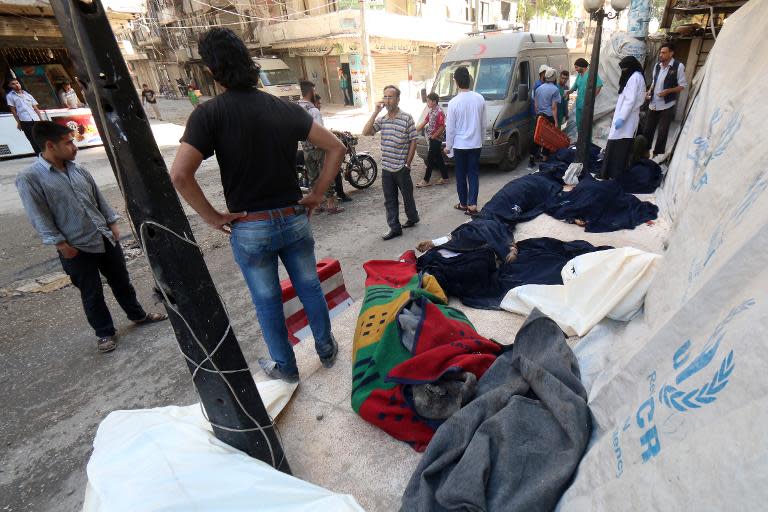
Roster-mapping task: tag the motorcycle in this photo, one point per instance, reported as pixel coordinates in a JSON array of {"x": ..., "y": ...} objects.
[{"x": 359, "y": 169}]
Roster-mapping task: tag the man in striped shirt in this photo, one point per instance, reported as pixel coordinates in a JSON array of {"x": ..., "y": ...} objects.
[
  {"x": 68, "y": 211},
  {"x": 398, "y": 145}
]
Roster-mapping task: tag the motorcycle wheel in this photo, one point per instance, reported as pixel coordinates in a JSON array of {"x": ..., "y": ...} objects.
[{"x": 362, "y": 174}]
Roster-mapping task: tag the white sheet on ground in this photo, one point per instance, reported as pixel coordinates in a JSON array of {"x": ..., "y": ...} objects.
[
  {"x": 679, "y": 398},
  {"x": 168, "y": 459},
  {"x": 596, "y": 285}
]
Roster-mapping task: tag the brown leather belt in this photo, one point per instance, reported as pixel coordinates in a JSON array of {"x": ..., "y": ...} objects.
[{"x": 271, "y": 214}]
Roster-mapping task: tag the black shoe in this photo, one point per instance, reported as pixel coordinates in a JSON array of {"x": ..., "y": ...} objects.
[
  {"x": 345, "y": 199},
  {"x": 331, "y": 358},
  {"x": 410, "y": 224},
  {"x": 392, "y": 234},
  {"x": 272, "y": 370}
]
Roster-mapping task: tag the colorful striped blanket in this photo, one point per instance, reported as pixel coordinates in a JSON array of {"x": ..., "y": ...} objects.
[{"x": 384, "y": 368}]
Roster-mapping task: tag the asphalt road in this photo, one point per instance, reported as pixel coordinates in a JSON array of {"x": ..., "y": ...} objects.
[{"x": 55, "y": 387}]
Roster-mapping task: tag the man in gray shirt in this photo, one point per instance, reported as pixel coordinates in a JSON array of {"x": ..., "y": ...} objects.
[
  {"x": 398, "y": 145},
  {"x": 68, "y": 210}
]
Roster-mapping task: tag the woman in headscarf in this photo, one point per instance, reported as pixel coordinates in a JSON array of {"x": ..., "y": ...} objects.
[{"x": 626, "y": 117}]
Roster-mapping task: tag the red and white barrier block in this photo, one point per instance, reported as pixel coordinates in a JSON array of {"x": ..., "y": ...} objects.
[{"x": 336, "y": 295}]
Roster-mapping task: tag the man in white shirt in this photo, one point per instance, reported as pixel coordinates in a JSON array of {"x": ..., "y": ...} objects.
[
  {"x": 464, "y": 128},
  {"x": 668, "y": 81},
  {"x": 24, "y": 109},
  {"x": 68, "y": 97}
]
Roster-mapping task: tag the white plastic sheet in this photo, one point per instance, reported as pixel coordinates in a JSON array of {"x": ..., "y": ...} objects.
[
  {"x": 679, "y": 398},
  {"x": 167, "y": 459},
  {"x": 596, "y": 285}
]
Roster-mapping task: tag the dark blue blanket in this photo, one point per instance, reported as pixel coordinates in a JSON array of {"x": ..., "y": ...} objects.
[
  {"x": 474, "y": 278},
  {"x": 558, "y": 163},
  {"x": 603, "y": 205},
  {"x": 521, "y": 199},
  {"x": 644, "y": 177},
  {"x": 481, "y": 232}
]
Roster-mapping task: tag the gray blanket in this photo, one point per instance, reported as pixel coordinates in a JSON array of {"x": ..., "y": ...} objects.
[{"x": 517, "y": 444}]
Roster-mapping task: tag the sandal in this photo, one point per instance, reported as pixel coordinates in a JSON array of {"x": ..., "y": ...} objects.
[
  {"x": 471, "y": 212},
  {"x": 106, "y": 344},
  {"x": 442, "y": 181},
  {"x": 334, "y": 211},
  {"x": 423, "y": 184},
  {"x": 460, "y": 207},
  {"x": 152, "y": 318}
]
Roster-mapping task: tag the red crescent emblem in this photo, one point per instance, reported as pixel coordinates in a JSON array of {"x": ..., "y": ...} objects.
[{"x": 480, "y": 50}]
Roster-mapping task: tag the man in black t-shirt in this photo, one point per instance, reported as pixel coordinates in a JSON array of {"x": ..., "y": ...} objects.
[
  {"x": 254, "y": 136},
  {"x": 148, "y": 98}
]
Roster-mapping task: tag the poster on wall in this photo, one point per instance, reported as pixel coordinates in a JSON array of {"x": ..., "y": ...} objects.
[
  {"x": 35, "y": 81},
  {"x": 81, "y": 122},
  {"x": 359, "y": 85}
]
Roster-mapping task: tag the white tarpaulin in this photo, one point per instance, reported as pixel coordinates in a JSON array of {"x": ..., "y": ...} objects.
[
  {"x": 680, "y": 398},
  {"x": 168, "y": 459},
  {"x": 595, "y": 285}
]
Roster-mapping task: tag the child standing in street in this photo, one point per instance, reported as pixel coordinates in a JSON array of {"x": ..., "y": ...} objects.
[{"x": 435, "y": 131}]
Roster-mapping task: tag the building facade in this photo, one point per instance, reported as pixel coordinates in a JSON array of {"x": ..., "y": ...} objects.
[{"x": 320, "y": 40}]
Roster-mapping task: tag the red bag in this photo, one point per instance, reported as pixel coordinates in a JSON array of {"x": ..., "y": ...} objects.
[{"x": 547, "y": 135}]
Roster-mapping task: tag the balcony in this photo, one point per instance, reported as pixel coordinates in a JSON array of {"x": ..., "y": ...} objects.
[
  {"x": 312, "y": 27},
  {"x": 380, "y": 24},
  {"x": 167, "y": 15}
]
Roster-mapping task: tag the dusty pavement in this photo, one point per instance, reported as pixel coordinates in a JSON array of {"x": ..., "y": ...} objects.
[{"x": 56, "y": 388}]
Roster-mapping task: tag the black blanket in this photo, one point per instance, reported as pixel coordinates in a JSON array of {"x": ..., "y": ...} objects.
[
  {"x": 603, "y": 205},
  {"x": 521, "y": 199},
  {"x": 475, "y": 278},
  {"x": 644, "y": 177},
  {"x": 516, "y": 445},
  {"x": 558, "y": 163}
]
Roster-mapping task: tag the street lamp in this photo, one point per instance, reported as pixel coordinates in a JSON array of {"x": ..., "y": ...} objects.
[{"x": 597, "y": 13}]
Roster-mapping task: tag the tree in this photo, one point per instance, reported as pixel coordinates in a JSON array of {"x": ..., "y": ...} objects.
[{"x": 527, "y": 9}]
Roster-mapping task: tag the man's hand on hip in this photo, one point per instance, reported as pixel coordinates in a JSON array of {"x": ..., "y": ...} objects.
[
  {"x": 223, "y": 221},
  {"x": 311, "y": 201}
]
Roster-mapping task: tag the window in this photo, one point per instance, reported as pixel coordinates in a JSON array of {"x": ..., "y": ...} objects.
[
  {"x": 485, "y": 12},
  {"x": 277, "y": 77},
  {"x": 444, "y": 86},
  {"x": 490, "y": 77},
  {"x": 506, "y": 7},
  {"x": 493, "y": 78},
  {"x": 524, "y": 74}
]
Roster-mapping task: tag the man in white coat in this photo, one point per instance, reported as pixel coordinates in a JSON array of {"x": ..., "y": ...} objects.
[{"x": 626, "y": 118}]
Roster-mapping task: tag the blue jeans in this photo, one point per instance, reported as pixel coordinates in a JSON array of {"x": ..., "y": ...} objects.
[
  {"x": 256, "y": 246},
  {"x": 467, "y": 175}
]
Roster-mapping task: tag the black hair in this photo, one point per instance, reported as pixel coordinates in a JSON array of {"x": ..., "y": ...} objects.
[
  {"x": 565, "y": 72},
  {"x": 461, "y": 75},
  {"x": 144, "y": 85},
  {"x": 582, "y": 63},
  {"x": 227, "y": 57},
  {"x": 433, "y": 96},
  {"x": 397, "y": 91},
  {"x": 306, "y": 87},
  {"x": 44, "y": 131},
  {"x": 669, "y": 46}
]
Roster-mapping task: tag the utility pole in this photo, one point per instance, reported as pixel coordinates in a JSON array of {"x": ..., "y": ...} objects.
[
  {"x": 202, "y": 326},
  {"x": 367, "y": 54}
]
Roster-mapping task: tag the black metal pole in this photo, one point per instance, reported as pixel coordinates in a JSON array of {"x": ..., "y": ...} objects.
[
  {"x": 585, "y": 130},
  {"x": 220, "y": 372}
]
